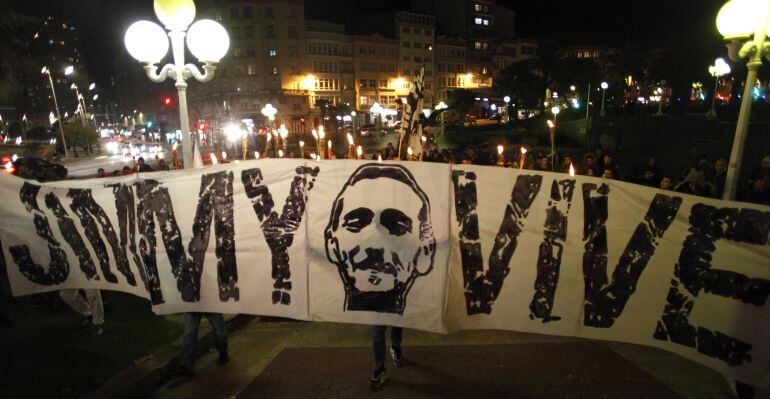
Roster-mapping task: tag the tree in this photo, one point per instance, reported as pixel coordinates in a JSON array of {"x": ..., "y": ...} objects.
[
  {"x": 521, "y": 83},
  {"x": 574, "y": 71},
  {"x": 78, "y": 135},
  {"x": 461, "y": 100}
]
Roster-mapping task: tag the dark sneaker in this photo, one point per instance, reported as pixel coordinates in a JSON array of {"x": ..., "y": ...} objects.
[
  {"x": 98, "y": 330},
  {"x": 378, "y": 379},
  {"x": 395, "y": 353},
  {"x": 85, "y": 321},
  {"x": 223, "y": 358}
]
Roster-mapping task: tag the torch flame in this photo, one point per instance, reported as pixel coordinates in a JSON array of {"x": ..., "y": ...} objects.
[
  {"x": 409, "y": 151},
  {"x": 301, "y": 144},
  {"x": 315, "y": 134},
  {"x": 269, "y": 136},
  {"x": 571, "y": 170},
  {"x": 214, "y": 159},
  {"x": 424, "y": 139},
  {"x": 224, "y": 155},
  {"x": 500, "y": 150},
  {"x": 329, "y": 144},
  {"x": 321, "y": 132},
  {"x": 350, "y": 139},
  {"x": 359, "y": 151},
  {"x": 280, "y": 153},
  {"x": 256, "y": 154},
  {"x": 379, "y": 158},
  {"x": 523, "y": 150},
  {"x": 313, "y": 156}
]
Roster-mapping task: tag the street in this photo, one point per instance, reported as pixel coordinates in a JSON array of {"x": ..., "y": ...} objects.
[{"x": 286, "y": 359}]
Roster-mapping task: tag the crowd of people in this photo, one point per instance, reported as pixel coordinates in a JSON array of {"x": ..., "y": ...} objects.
[{"x": 704, "y": 177}]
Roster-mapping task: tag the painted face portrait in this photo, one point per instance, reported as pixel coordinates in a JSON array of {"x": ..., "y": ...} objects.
[{"x": 380, "y": 237}]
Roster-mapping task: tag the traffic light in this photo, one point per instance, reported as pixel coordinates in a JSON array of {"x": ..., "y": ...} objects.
[{"x": 167, "y": 101}]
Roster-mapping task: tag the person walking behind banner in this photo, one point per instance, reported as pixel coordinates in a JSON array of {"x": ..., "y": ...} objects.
[
  {"x": 191, "y": 323},
  {"x": 91, "y": 308},
  {"x": 380, "y": 374}
]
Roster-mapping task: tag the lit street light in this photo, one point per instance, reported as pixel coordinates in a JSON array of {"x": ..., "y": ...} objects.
[
  {"x": 660, "y": 101},
  {"x": 719, "y": 69},
  {"x": 746, "y": 21},
  {"x": 552, "y": 131},
  {"x": 604, "y": 86},
  {"x": 376, "y": 110},
  {"x": 207, "y": 40},
  {"x": 46, "y": 71},
  {"x": 440, "y": 108}
]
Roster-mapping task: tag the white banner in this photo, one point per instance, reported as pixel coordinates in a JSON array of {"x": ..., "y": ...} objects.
[{"x": 427, "y": 246}]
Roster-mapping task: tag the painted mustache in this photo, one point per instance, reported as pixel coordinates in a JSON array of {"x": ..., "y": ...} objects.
[{"x": 374, "y": 261}]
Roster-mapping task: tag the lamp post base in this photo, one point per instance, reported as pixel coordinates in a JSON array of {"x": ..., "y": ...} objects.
[{"x": 711, "y": 114}]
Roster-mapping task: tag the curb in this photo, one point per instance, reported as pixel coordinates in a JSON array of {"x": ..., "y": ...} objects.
[{"x": 148, "y": 374}]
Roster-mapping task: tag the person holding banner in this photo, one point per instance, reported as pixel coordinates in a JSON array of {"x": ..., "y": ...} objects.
[
  {"x": 91, "y": 308},
  {"x": 191, "y": 323},
  {"x": 380, "y": 375}
]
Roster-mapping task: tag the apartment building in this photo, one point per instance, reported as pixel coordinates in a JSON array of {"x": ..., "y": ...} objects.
[
  {"x": 376, "y": 76},
  {"x": 451, "y": 71},
  {"x": 267, "y": 63},
  {"x": 415, "y": 36},
  {"x": 330, "y": 57}
]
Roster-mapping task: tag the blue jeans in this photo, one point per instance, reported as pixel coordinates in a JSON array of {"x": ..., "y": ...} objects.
[
  {"x": 378, "y": 343},
  {"x": 191, "y": 323}
]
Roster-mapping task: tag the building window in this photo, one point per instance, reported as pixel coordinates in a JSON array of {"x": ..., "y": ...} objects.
[
  {"x": 364, "y": 100},
  {"x": 218, "y": 15},
  {"x": 269, "y": 12},
  {"x": 477, "y": 20},
  {"x": 417, "y": 45},
  {"x": 251, "y": 52},
  {"x": 271, "y": 31},
  {"x": 234, "y": 13},
  {"x": 384, "y": 83},
  {"x": 293, "y": 52},
  {"x": 480, "y": 45},
  {"x": 428, "y": 32},
  {"x": 248, "y": 32},
  {"x": 272, "y": 52},
  {"x": 292, "y": 33},
  {"x": 247, "y": 12},
  {"x": 237, "y": 52},
  {"x": 274, "y": 70},
  {"x": 405, "y": 29},
  {"x": 362, "y": 83},
  {"x": 405, "y": 44},
  {"x": 372, "y": 83},
  {"x": 251, "y": 70},
  {"x": 235, "y": 33}
]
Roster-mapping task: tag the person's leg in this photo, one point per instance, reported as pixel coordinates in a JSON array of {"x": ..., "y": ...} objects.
[
  {"x": 220, "y": 335},
  {"x": 96, "y": 306},
  {"x": 378, "y": 344},
  {"x": 187, "y": 357},
  {"x": 74, "y": 300},
  {"x": 396, "y": 333}
]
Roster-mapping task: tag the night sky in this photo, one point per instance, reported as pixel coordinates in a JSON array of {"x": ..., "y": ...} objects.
[{"x": 641, "y": 23}]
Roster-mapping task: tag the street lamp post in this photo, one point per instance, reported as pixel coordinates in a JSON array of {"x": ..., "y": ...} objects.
[
  {"x": 743, "y": 20},
  {"x": 81, "y": 103},
  {"x": 719, "y": 69},
  {"x": 552, "y": 128},
  {"x": 46, "y": 71},
  {"x": 440, "y": 108},
  {"x": 377, "y": 110},
  {"x": 269, "y": 112},
  {"x": 207, "y": 40},
  {"x": 507, "y": 100},
  {"x": 604, "y": 91},
  {"x": 659, "y": 90}
]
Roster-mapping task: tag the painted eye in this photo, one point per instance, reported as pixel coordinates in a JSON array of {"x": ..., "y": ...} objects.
[
  {"x": 396, "y": 222},
  {"x": 357, "y": 219}
]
